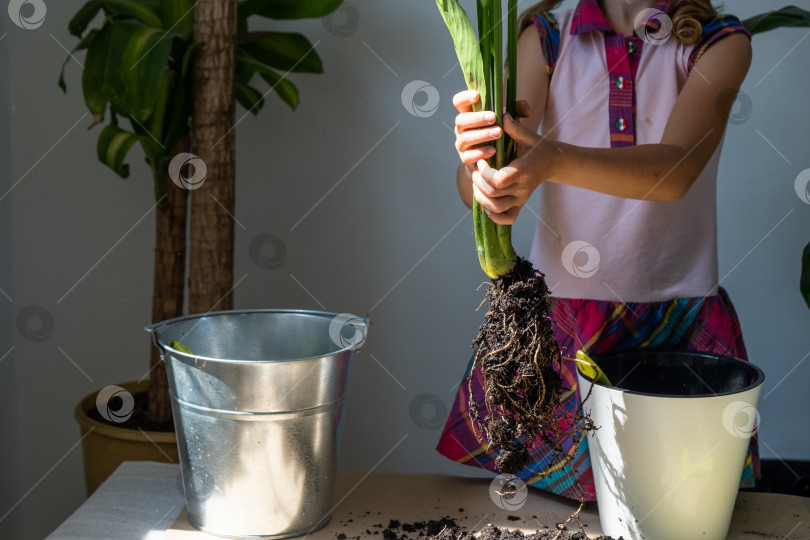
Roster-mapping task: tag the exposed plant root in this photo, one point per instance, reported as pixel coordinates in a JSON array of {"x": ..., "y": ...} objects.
[{"x": 521, "y": 364}]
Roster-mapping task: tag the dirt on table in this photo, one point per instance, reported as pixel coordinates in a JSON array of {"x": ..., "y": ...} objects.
[{"x": 490, "y": 532}]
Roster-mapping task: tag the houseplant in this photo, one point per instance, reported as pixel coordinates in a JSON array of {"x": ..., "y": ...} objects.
[
  {"x": 511, "y": 396},
  {"x": 165, "y": 74}
]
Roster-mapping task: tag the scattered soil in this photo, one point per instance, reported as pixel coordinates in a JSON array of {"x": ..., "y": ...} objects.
[
  {"x": 490, "y": 532},
  {"x": 139, "y": 415},
  {"x": 521, "y": 362}
]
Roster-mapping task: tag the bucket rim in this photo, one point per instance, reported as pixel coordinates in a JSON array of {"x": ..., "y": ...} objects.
[
  {"x": 155, "y": 328},
  {"x": 758, "y": 380}
]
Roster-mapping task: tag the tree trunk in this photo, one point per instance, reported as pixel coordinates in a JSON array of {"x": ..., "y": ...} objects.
[
  {"x": 212, "y": 204},
  {"x": 169, "y": 282}
]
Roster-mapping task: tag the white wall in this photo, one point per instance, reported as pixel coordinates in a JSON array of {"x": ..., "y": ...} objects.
[{"x": 391, "y": 234}]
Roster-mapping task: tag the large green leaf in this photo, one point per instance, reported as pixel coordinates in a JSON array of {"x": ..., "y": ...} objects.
[
  {"x": 249, "y": 97},
  {"x": 113, "y": 145},
  {"x": 83, "y": 17},
  {"x": 136, "y": 57},
  {"x": 283, "y": 50},
  {"x": 177, "y": 15},
  {"x": 804, "y": 283},
  {"x": 83, "y": 44},
  {"x": 467, "y": 48},
  {"x": 95, "y": 65},
  {"x": 145, "y": 59},
  {"x": 287, "y": 9},
  {"x": 146, "y": 11},
  {"x": 786, "y": 16},
  {"x": 280, "y": 85}
]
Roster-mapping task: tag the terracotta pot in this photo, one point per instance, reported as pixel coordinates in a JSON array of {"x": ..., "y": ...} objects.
[{"x": 105, "y": 447}]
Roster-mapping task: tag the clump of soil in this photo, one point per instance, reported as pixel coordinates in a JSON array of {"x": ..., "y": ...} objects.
[
  {"x": 490, "y": 532},
  {"x": 521, "y": 363}
]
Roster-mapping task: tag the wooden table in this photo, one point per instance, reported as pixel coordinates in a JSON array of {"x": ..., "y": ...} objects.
[{"x": 367, "y": 502}]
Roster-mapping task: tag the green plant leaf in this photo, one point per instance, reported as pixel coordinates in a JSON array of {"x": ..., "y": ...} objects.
[
  {"x": 177, "y": 346},
  {"x": 178, "y": 15},
  {"x": 136, "y": 57},
  {"x": 95, "y": 65},
  {"x": 287, "y": 9},
  {"x": 83, "y": 17},
  {"x": 283, "y": 87},
  {"x": 786, "y": 16},
  {"x": 591, "y": 369},
  {"x": 83, "y": 44},
  {"x": 146, "y": 11},
  {"x": 249, "y": 97},
  {"x": 145, "y": 59},
  {"x": 189, "y": 54},
  {"x": 283, "y": 50},
  {"x": 114, "y": 144},
  {"x": 467, "y": 48},
  {"x": 804, "y": 282}
]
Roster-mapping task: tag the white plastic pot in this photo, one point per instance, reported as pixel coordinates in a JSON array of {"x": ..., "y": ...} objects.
[{"x": 672, "y": 440}]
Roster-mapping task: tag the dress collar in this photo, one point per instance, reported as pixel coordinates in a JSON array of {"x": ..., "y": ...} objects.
[{"x": 588, "y": 17}]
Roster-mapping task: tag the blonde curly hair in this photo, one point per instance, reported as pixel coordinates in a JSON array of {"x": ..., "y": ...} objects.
[{"x": 688, "y": 17}]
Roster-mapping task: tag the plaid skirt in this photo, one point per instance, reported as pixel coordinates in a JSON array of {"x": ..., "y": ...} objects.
[{"x": 701, "y": 324}]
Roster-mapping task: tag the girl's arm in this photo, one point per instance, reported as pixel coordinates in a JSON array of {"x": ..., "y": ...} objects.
[
  {"x": 473, "y": 129},
  {"x": 654, "y": 172}
]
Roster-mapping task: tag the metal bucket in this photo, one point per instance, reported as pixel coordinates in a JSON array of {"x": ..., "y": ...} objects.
[
  {"x": 258, "y": 414},
  {"x": 672, "y": 439}
]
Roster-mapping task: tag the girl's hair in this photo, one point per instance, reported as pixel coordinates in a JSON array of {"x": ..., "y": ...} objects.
[{"x": 688, "y": 17}]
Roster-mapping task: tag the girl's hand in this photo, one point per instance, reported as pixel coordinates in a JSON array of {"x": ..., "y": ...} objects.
[
  {"x": 504, "y": 192},
  {"x": 473, "y": 129}
]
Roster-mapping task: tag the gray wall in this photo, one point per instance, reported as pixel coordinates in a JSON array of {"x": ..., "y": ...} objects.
[{"x": 384, "y": 232}]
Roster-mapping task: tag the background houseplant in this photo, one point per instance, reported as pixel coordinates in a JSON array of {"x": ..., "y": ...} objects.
[
  {"x": 70, "y": 210},
  {"x": 165, "y": 74}
]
